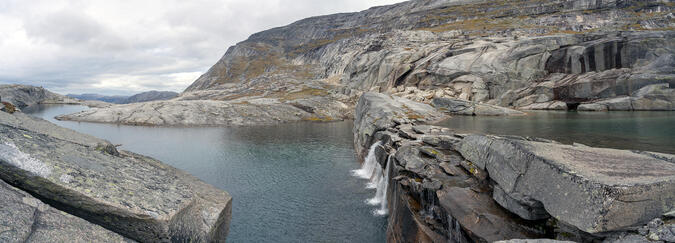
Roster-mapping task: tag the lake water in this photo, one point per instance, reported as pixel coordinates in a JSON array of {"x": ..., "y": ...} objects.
[
  {"x": 289, "y": 183},
  {"x": 648, "y": 131}
]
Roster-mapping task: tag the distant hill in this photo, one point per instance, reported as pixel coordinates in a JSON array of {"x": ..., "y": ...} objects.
[{"x": 119, "y": 99}]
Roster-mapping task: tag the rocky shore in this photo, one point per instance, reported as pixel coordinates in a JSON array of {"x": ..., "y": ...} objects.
[
  {"x": 450, "y": 187},
  {"x": 60, "y": 185}
]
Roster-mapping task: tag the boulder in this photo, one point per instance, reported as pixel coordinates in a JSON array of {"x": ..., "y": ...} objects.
[
  {"x": 593, "y": 189},
  {"x": 27, "y": 219},
  {"x": 133, "y": 195}
]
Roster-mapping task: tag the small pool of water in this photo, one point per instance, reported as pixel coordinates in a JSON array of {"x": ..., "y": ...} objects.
[
  {"x": 289, "y": 183},
  {"x": 648, "y": 131}
]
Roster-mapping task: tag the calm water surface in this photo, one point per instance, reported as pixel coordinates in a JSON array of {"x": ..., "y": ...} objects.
[
  {"x": 649, "y": 131},
  {"x": 289, "y": 183}
]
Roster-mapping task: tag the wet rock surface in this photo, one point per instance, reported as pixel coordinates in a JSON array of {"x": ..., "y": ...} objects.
[
  {"x": 450, "y": 187},
  {"x": 130, "y": 194}
]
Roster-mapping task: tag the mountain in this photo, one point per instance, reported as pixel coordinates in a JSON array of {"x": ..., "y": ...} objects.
[
  {"x": 150, "y": 96},
  {"x": 524, "y": 54},
  {"x": 118, "y": 99}
]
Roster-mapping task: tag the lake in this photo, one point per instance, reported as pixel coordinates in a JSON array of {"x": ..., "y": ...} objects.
[
  {"x": 648, "y": 131},
  {"x": 289, "y": 183}
]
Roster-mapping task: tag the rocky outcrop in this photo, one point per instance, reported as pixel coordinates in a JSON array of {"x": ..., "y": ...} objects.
[
  {"x": 468, "y": 108},
  {"x": 27, "y": 219},
  {"x": 210, "y": 113},
  {"x": 133, "y": 195},
  {"x": 658, "y": 97},
  {"x": 26, "y": 95},
  {"x": 527, "y": 55},
  {"x": 377, "y": 112},
  {"x": 449, "y": 187}
]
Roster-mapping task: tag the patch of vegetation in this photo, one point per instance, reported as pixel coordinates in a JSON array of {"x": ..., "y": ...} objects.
[
  {"x": 9, "y": 107},
  {"x": 319, "y": 119},
  {"x": 304, "y": 93}
]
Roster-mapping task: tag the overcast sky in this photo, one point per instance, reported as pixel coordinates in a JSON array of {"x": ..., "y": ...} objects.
[{"x": 130, "y": 46}]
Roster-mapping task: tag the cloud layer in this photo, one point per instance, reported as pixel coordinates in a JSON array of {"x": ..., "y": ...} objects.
[{"x": 126, "y": 46}]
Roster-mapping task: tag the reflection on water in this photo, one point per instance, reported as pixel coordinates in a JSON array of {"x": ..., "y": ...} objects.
[
  {"x": 649, "y": 131},
  {"x": 289, "y": 183}
]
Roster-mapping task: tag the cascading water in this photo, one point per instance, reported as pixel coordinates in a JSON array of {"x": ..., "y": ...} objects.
[
  {"x": 382, "y": 189},
  {"x": 379, "y": 179},
  {"x": 369, "y": 165}
]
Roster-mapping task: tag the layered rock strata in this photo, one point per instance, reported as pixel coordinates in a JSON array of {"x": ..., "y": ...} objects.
[
  {"x": 450, "y": 187},
  {"x": 133, "y": 195}
]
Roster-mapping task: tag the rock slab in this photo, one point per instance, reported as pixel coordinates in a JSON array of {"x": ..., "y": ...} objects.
[
  {"x": 133, "y": 195},
  {"x": 594, "y": 189}
]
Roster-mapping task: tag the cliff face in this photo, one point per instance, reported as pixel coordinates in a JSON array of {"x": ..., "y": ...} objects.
[
  {"x": 526, "y": 54},
  {"x": 450, "y": 187}
]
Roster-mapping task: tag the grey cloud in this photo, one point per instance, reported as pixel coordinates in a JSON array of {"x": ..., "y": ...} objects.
[{"x": 83, "y": 51}]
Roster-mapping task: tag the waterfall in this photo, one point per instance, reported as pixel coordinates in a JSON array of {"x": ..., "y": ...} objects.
[
  {"x": 369, "y": 165},
  {"x": 382, "y": 189},
  {"x": 378, "y": 179}
]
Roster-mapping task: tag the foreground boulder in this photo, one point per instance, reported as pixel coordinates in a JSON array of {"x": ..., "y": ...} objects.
[
  {"x": 27, "y": 219},
  {"x": 450, "y": 187},
  {"x": 133, "y": 195}
]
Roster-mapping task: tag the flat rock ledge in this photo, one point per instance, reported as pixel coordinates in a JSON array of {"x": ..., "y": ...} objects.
[
  {"x": 132, "y": 195},
  {"x": 261, "y": 111},
  {"x": 451, "y": 187}
]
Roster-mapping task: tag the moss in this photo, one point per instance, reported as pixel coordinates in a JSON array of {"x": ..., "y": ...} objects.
[
  {"x": 304, "y": 93},
  {"x": 319, "y": 119},
  {"x": 9, "y": 107}
]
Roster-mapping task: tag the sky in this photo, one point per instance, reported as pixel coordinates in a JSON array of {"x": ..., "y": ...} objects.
[{"x": 128, "y": 46}]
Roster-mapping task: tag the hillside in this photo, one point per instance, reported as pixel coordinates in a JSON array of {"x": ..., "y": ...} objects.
[{"x": 527, "y": 54}]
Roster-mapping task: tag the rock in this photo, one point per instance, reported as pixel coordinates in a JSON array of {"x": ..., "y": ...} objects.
[
  {"x": 462, "y": 107},
  {"x": 596, "y": 189},
  {"x": 592, "y": 107},
  {"x": 191, "y": 113},
  {"x": 377, "y": 112},
  {"x": 27, "y": 219},
  {"x": 526, "y": 208},
  {"x": 130, "y": 194},
  {"x": 480, "y": 216},
  {"x": 26, "y": 95}
]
